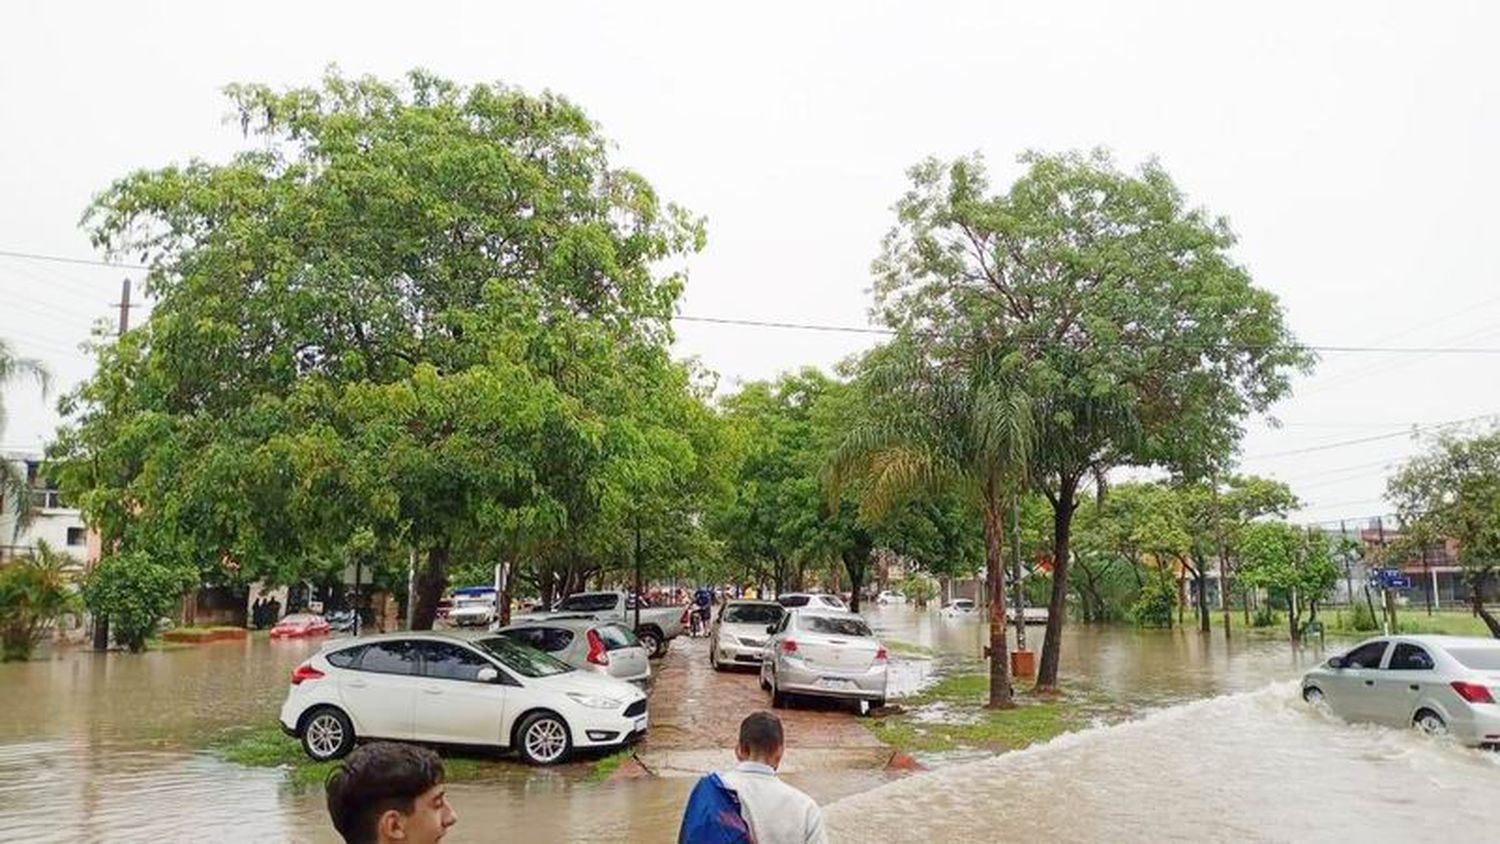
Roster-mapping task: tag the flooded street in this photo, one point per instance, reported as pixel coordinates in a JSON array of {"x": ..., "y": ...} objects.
[{"x": 113, "y": 747}]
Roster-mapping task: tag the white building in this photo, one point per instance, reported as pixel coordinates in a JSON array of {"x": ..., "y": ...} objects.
[{"x": 60, "y": 527}]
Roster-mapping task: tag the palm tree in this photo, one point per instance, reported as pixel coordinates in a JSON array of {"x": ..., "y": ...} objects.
[
  {"x": 13, "y": 482},
  {"x": 34, "y": 591},
  {"x": 963, "y": 424}
]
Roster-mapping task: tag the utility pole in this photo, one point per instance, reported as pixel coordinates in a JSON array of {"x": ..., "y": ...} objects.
[
  {"x": 1223, "y": 556},
  {"x": 101, "y": 623},
  {"x": 638, "y": 570}
]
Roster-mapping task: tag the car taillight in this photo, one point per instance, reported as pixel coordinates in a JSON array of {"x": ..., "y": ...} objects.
[
  {"x": 1472, "y": 692},
  {"x": 788, "y": 646},
  {"x": 305, "y": 672},
  {"x": 686, "y": 614},
  {"x": 880, "y": 655},
  {"x": 597, "y": 654}
]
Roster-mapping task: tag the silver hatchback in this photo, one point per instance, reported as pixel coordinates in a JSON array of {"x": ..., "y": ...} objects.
[
  {"x": 823, "y": 653},
  {"x": 1443, "y": 685},
  {"x": 603, "y": 647}
]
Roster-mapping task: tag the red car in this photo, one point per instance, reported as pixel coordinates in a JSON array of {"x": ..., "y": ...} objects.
[{"x": 298, "y": 625}]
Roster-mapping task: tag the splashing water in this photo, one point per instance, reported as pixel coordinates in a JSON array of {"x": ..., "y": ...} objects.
[{"x": 1257, "y": 766}]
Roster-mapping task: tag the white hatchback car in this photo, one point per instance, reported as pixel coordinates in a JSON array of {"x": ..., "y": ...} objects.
[
  {"x": 1437, "y": 684},
  {"x": 456, "y": 688}
]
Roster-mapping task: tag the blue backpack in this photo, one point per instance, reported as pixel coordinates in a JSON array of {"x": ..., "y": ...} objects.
[{"x": 713, "y": 815}]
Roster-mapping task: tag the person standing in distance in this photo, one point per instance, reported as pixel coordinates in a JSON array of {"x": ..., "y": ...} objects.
[{"x": 387, "y": 792}]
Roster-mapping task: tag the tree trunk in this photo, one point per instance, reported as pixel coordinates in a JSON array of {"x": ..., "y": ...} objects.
[
  {"x": 994, "y": 564},
  {"x": 856, "y": 582},
  {"x": 432, "y": 579},
  {"x": 1057, "y": 608},
  {"x": 1291, "y": 616}
]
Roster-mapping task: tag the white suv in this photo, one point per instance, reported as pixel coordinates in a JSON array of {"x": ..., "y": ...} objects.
[{"x": 456, "y": 688}]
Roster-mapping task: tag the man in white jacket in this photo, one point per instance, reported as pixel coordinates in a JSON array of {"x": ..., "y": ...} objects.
[{"x": 776, "y": 812}]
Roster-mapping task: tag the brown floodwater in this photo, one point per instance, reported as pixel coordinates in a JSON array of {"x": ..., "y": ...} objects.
[{"x": 112, "y": 748}]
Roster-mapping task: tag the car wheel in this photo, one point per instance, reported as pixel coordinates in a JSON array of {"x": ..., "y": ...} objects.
[
  {"x": 778, "y": 700},
  {"x": 327, "y": 734},
  {"x": 543, "y": 739},
  {"x": 652, "y": 643},
  {"x": 713, "y": 657},
  {"x": 765, "y": 684},
  {"x": 1431, "y": 723},
  {"x": 1314, "y": 696},
  {"x": 878, "y": 703}
]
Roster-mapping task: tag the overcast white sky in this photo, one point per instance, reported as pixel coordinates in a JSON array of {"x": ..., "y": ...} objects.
[{"x": 1352, "y": 146}]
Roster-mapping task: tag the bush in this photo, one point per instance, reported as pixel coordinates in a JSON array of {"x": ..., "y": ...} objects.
[
  {"x": 1155, "y": 605},
  {"x": 134, "y": 592},
  {"x": 1364, "y": 619},
  {"x": 34, "y": 591},
  {"x": 1265, "y": 617}
]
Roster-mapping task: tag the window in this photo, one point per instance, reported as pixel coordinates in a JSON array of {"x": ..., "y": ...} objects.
[
  {"x": 1365, "y": 656},
  {"x": 346, "y": 658},
  {"x": 589, "y": 602},
  {"x": 398, "y": 656},
  {"x": 1410, "y": 658},
  {"x": 616, "y": 637},
  {"x": 549, "y": 639},
  {"x": 793, "y": 600},
  {"x": 835, "y": 626},
  {"x": 1479, "y": 659},
  {"x": 761, "y": 614},
  {"x": 833, "y": 601},
  {"x": 77, "y": 536},
  {"x": 528, "y": 662},
  {"x": 451, "y": 662}
]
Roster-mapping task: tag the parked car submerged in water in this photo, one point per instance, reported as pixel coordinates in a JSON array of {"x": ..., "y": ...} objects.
[
  {"x": 604, "y": 647},
  {"x": 815, "y": 600},
  {"x": 1441, "y": 685},
  {"x": 823, "y": 653},
  {"x": 959, "y": 608},
  {"x": 300, "y": 625},
  {"x": 456, "y": 688},
  {"x": 738, "y": 634}
]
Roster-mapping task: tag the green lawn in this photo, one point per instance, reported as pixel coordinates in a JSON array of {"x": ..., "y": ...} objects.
[
  {"x": 1339, "y": 621},
  {"x": 959, "y": 721},
  {"x": 268, "y": 747}
]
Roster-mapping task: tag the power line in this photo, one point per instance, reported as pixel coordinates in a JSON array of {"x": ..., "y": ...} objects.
[
  {"x": 1359, "y": 440},
  {"x": 62, "y": 259}
]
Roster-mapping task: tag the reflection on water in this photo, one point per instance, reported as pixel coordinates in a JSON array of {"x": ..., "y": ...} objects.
[
  {"x": 106, "y": 747},
  {"x": 1253, "y": 766}
]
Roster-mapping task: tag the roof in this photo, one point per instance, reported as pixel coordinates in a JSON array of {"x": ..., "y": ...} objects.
[
  {"x": 575, "y": 622},
  {"x": 752, "y": 602}
]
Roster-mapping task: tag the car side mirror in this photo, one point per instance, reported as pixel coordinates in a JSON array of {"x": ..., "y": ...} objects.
[
  {"x": 487, "y": 674},
  {"x": 1336, "y": 662},
  {"x": 770, "y": 628}
]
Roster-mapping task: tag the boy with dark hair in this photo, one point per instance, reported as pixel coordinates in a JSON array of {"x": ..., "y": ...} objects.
[
  {"x": 749, "y": 803},
  {"x": 387, "y": 792}
]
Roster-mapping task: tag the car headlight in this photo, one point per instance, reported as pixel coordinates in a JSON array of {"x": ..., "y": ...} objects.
[{"x": 595, "y": 701}]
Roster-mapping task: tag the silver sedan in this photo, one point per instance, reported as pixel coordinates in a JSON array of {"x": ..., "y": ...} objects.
[
  {"x": 739, "y": 632},
  {"x": 1442, "y": 685},
  {"x": 603, "y": 647},
  {"x": 823, "y": 653}
]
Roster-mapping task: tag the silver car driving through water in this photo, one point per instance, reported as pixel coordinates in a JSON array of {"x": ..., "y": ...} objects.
[
  {"x": 1442, "y": 685},
  {"x": 823, "y": 653}
]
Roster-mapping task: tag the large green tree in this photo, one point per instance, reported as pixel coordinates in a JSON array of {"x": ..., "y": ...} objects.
[
  {"x": 375, "y": 328},
  {"x": 1117, "y": 306},
  {"x": 1453, "y": 492},
  {"x": 1295, "y": 562}
]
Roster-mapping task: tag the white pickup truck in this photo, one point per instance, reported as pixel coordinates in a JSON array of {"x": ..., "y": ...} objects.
[{"x": 658, "y": 626}]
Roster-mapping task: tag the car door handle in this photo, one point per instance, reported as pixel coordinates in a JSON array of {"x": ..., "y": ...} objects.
[
  {"x": 357, "y": 684},
  {"x": 432, "y": 691}
]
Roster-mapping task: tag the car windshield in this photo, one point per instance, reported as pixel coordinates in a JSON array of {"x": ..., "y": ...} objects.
[
  {"x": 526, "y": 661},
  {"x": 1479, "y": 659},
  {"x": 834, "y": 626},
  {"x": 832, "y": 600},
  {"x": 963, "y": 605},
  {"x": 589, "y": 603},
  {"x": 299, "y": 618},
  {"x": 793, "y": 600},
  {"x": 761, "y": 614}
]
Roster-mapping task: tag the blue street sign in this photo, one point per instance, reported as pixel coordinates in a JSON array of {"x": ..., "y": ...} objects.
[{"x": 1398, "y": 583}]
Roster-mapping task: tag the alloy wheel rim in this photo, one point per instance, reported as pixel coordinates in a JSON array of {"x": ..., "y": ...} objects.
[
  {"x": 545, "y": 740},
  {"x": 325, "y": 734},
  {"x": 1432, "y": 725}
]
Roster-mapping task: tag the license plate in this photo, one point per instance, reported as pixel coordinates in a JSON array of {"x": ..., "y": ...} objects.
[
  {"x": 833, "y": 683},
  {"x": 640, "y": 724}
]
